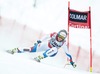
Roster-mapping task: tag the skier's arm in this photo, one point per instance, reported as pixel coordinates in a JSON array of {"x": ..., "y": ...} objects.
[
  {"x": 68, "y": 55},
  {"x": 46, "y": 37},
  {"x": 71, "y": 61},
  {"x": 42, "y": 39}
]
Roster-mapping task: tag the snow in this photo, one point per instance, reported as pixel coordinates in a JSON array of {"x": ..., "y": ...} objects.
[
  {"x": 50, "y": 14},
  {"x": 23, "y": 64}
]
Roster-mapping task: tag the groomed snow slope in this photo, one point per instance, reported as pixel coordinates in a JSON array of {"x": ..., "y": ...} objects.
[{"x": 22, "y": 64}]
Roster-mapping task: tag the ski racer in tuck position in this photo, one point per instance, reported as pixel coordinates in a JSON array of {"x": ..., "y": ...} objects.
[{"x": 50, "y": 45}]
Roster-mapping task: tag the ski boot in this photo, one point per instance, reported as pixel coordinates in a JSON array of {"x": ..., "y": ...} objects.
[
  {"x": 38, "y": 58},
  {"x": 12, "y": 51}
]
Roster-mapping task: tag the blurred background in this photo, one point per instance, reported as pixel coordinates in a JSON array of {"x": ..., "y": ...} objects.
[{"x": 22, "y": 22}]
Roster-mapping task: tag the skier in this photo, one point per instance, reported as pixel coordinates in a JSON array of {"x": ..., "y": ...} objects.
[{"x": 50, "y": 45}]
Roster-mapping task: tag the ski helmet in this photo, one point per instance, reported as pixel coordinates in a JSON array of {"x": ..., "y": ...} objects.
[{"x": 62, "y": 34}]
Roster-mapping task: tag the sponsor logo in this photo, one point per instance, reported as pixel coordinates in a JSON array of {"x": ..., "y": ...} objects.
[
  {"x": 86, "y": 26},
  {"x": 78, "y": 17},
  {"x": 50, "y": 51}
]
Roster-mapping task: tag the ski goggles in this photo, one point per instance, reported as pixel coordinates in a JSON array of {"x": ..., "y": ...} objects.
[{"x": 62, "y": 37}]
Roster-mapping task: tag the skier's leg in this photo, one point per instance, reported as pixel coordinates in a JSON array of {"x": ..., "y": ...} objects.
[
  {"x": 48, "y": 53},
  {"x": 20, "y": 50},
  {"x": 14, "y": 50},
  {"x": 34, "y": 48}
]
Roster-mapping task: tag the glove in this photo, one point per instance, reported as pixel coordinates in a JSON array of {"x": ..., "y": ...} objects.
[
  {"x": 38, "y": 41},
  {"x": 73, "y": 64}
]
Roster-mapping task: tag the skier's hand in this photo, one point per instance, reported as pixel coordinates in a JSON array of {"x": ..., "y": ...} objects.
[
  {"x": 73, "y": 64},
  {"x": 39, "y": 41}
]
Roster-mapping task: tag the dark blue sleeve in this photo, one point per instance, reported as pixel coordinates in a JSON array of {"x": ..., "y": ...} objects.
[{"x": 70, "y": 57}]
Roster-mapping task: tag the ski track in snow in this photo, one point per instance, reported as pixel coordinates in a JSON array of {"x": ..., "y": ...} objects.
[{"x": 22, "y": 63}]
